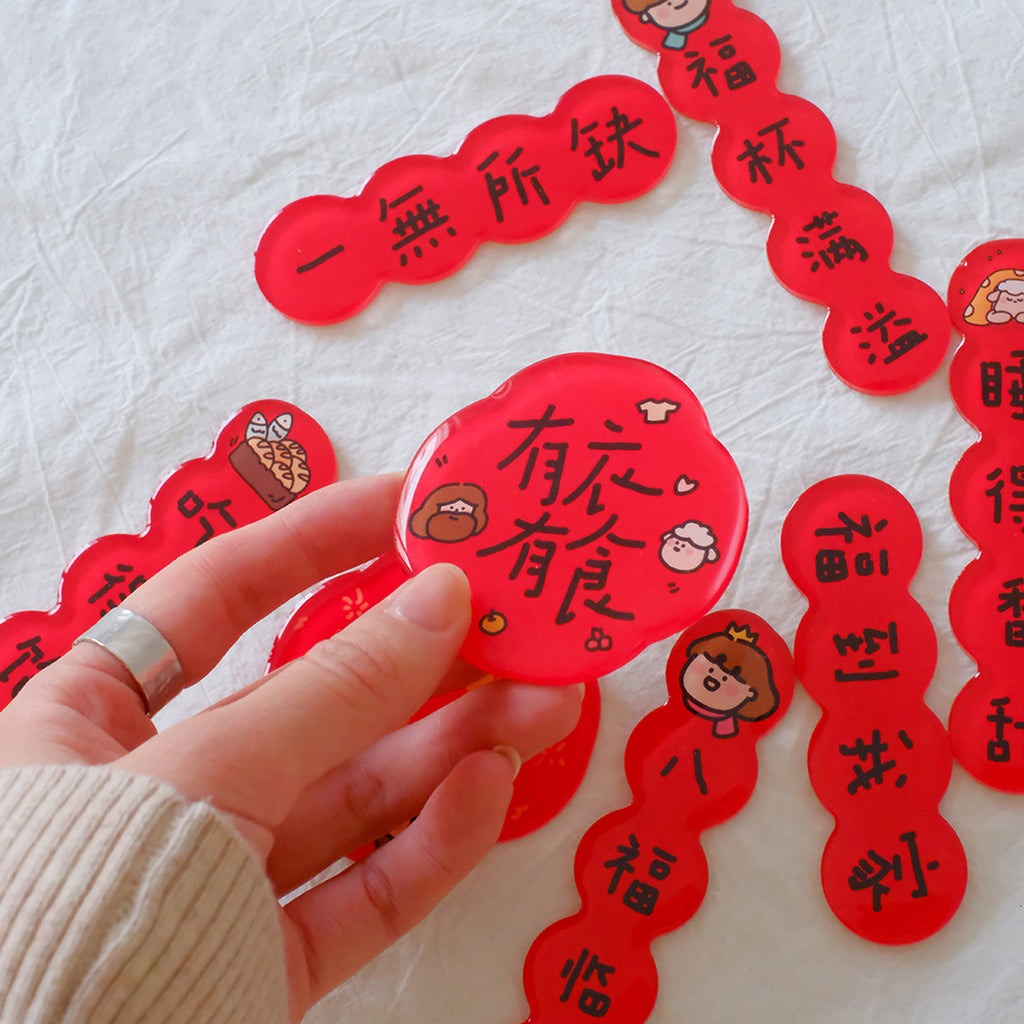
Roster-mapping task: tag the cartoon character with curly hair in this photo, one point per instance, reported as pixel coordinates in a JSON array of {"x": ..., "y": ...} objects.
[{"x": 450, "y": 513}]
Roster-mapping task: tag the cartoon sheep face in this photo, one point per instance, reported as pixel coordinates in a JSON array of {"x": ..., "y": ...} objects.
[
  {"x": 1007, "y": 302},
  {"x": 685, "y": 548}
]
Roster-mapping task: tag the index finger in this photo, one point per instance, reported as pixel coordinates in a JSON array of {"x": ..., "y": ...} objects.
[{"x": 202, "y": 602}]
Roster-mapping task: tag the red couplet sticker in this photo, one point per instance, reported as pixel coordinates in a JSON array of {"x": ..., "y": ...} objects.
[
  {"x": 986, "y": 492},
  {"x": 641, "y": 870},
  {"x": 545, "y": 783},
  {"x": 266, "y": 456},
  {"x": 829, "y": 243},
  {"x": 591, "y": 508},
  {"x": 893, "y": 870},
  {"x": 420, "y": 218}
]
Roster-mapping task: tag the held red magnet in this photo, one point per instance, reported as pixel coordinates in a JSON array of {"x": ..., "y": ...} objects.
[
  {"x": 986, "y": 606},
  {"x": 893, "y": 870},
  {"x": 829, "y": 243},
  {"x": 545, "y": 783},
  {"x": 266, "y": 456},
  {"x": 641, "y": 870},
  {"x": 591, "y": 508},
  {"x": 420, "y": 218}
]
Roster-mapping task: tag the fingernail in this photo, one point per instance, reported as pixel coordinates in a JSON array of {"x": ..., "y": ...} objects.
[
  {"x": 433, "y": 600},
  {"x": 512, "y": 754}
]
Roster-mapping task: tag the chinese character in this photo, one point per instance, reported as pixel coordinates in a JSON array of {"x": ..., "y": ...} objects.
[
  {"x": 498, "y": 185},
  {"x": 785, "y": 151},
  {"x": 593, "y": 577},
  {"x": 998, "y": 750},
  {"x": 995, "y": 492},
  {"x": 546, "y": 462},
  {"x": 110, "y": 581},
  {"x": 992, "y": 375},
  {"x": 871, "y": 641},
  {"x": 874, "y": 774},
  {"x": 619, "y": 126},
  {"x": 30, "y": 652},
  {"x": 861, "y": 527},
  {"x": 872, "y": 871},
  {"x": 879, "y": 323},
  {"x": 536, "y": 562},
  {"x": 190, "y": 505},
  {"x": 592, "y": 1001},
  {"x": 414, "y": 223},
  {"x": 838, "y": 247},
  {"x": 1011, "y": 598}
]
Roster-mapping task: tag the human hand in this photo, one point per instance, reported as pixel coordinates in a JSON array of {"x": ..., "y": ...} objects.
[{"x": 315, "y": 759}]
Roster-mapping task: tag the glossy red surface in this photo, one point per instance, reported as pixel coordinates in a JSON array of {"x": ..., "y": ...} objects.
[
  {"x": 590, "y": 506},
  {"x": 986, "y": 492},
  {"x": 893, "y": 870},
  {"x": 641, "y": 870},
  {"x": 829, "y": 242},
  {"x": 420, "y": 218},
  {"x": 267, "y": 455}
]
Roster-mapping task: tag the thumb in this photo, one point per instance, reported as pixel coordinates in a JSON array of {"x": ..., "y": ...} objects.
[{"x": 255, "y": 755}]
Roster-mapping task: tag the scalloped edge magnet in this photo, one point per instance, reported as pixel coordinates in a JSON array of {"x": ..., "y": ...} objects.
[
  {"x": 986, "y": 493},
  {"x": 421, "y": 218},
  {"x": 893, "y": 870},
  {"x": 269, "y": 454},
  {"x": 591, "y": 507},
  {"x": 641, "y": 871},
  {"x": 829, "y": 243}
]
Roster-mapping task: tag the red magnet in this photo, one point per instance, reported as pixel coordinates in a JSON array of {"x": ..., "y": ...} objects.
[
  {"x": 545, "y": 783},
  {"x": 591, "y": 508},
  {"x": 266, "y": 456},
  {"x": 986, "y": 492},
  {"x": 420, "y": 218},
  {"x": 893, "y": 870},
  {"x": 829, "y": 243},
  {"x": 641, "y": 870}
]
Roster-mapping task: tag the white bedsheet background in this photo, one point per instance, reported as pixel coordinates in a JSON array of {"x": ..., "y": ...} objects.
[{"x": 142, "y": 151}]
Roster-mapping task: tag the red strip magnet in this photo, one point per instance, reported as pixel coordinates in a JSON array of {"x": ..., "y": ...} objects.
[
  {"x": 420, "y": 218},
  {"x": 266, "y": 456},
  {"x": 641, "y": 870},
  {"x": 986, "y": 492},
  {"x": 893, "y": 870},
  {"x": 829, "y": 243}
]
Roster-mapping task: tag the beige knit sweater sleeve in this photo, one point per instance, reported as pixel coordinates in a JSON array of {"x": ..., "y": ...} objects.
[{"x": 120, "y": 901}]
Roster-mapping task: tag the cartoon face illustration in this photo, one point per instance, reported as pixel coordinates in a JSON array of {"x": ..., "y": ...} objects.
[
  {"x": 678, "y": 17},
  {"x": 685, "y": 548},
  {"x": 1007, "y": 302},
  {"x": 451, "y": 513},
  {"x": 728, "y": 677}
]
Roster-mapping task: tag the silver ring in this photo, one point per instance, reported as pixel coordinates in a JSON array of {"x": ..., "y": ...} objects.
[{"x": 142, "y": 649}]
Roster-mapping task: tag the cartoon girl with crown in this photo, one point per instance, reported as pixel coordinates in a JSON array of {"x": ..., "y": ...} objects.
[{"x": 727, "y": 677}]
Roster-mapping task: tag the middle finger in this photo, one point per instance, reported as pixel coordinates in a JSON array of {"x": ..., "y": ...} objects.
[{"x": 389, "y": 783}]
